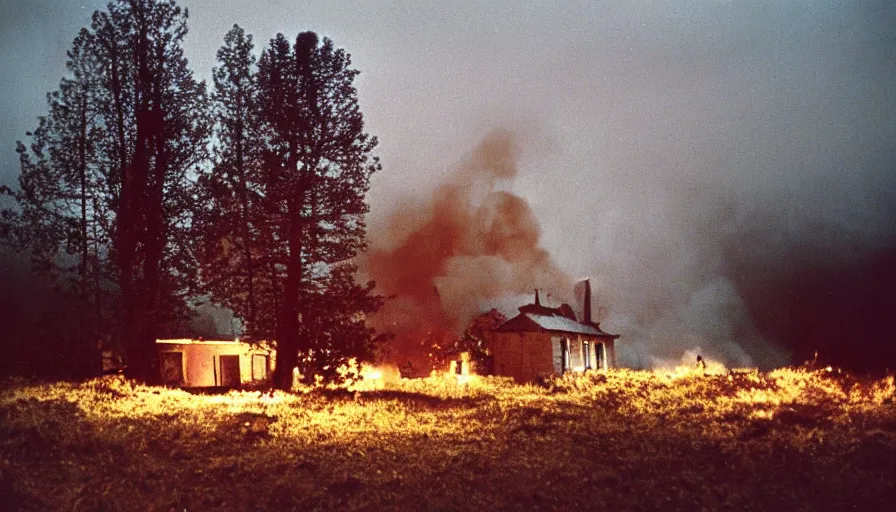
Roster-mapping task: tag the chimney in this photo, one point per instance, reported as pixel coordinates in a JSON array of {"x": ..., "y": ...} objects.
[
  {"x": 586, "y": 310},
  {"x": 537, "y": 302}
]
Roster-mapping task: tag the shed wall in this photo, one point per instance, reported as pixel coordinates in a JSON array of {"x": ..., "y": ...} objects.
[{"x": 201, "y": 362}]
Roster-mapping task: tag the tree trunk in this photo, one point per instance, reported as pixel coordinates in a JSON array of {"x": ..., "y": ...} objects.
[
  {"x": 288, "y": 326},
  {"x": 82, "y": 178},
  {"x": 245, "y": 219},
  {"x": 126, "y": 220},
  {"x": 136, "y": 328},
  {"x": 154, "y": 242}
]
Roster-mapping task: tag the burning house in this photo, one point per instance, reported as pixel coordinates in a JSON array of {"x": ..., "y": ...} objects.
[
  {"x": 198, "y": 363},
  {"x": 542, "y": 340}
]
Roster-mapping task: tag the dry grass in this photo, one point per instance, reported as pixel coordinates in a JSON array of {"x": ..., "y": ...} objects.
[{"x": 786, "y": 440}]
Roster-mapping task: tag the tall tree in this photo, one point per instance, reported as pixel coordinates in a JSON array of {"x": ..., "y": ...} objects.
[
  {"x": 152, "y": 92},
  {"x": 62, "y": 219},
  {"x": 231, "y": 255},
  {"x": 134, "y": 133},
  {"x": 318, "y": 161}
]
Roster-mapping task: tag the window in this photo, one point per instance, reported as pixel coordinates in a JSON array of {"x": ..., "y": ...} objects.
[
  {"x": 599, "y": 355},
  {"x": 172, "y": 364},
  {"x": 564, "y": 347},
  {"x": 587, "y": 351},
  {"x": 259, "y": 366},
  {"x": 557, "y": 354},
  {"x": 230, "y": 371}
]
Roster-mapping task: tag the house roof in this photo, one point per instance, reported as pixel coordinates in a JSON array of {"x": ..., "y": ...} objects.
[
  {"x": 547, "y": 321},
  {"x": 536, "y": 317}
]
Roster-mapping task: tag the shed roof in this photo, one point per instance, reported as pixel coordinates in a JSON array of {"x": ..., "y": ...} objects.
[{"x": 188, "y": 341}]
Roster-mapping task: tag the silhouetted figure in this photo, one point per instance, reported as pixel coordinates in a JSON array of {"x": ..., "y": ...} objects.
[{"x": 701, "y": 363}]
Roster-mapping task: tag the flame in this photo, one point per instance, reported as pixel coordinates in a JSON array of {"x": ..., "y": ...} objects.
[
  {"x": 689, "y": 365},
  {"x": 374, "y": 378}
]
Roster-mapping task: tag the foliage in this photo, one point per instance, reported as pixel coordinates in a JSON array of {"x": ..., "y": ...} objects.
[
  {"x": 115, "y": 190},
  {"x": 62, "y": 218},
  {"x": 105, "y": 193},
  {"x": 334, "y": 322},
  {"x": 629, "y": 440},
  {"x": 443, "y": 346},
  {"x": 287, "y": 200},
  {"x": 473, "y": 339},
  {"x": 229, "y": 226}
]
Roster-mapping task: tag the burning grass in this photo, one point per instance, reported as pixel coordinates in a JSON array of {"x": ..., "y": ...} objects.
[{"x": 789, "y": 439}]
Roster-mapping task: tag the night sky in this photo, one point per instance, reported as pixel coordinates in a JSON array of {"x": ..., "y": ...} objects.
[{"x": 725, "y": 172}]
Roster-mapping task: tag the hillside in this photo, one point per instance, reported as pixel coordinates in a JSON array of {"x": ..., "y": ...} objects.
[{"x": 792, "y": 439}]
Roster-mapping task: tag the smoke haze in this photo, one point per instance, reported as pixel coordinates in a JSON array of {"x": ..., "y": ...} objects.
[
  {"x": 472, "y": 245},
  {"x": 723, "y": 171}
]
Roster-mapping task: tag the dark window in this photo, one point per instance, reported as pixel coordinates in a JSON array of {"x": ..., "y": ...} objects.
[
  {"x": 230, "y": 371},
  {"x": 599, "y": 355},
  {"x": 172, "y": 364}
]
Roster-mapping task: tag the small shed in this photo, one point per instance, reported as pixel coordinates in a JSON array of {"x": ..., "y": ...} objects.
[
  {"x": 198, "y": 363},
  {"x": 542, "y": 341}
]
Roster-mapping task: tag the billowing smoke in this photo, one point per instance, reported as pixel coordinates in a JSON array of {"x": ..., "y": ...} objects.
[
  {"x": 688, "y": 265},
  {"x": 471, "y": 246},
  {"x": 475, "y": 245},
  {"x": 660, "y": 264}
]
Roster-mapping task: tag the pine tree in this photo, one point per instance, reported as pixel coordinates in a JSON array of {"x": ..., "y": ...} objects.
[
  {"x": 232, "y": 256},
  {"x": 334, "y": 312},
  {"x": 317, "y": 161},
  {"x": 62, "y": 220},
  {"x": 158, "y": 115},
  {"x": 124, "y": 138}
]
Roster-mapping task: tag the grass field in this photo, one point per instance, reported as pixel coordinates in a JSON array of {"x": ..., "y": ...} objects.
[{"x": 792, "y": 439}]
